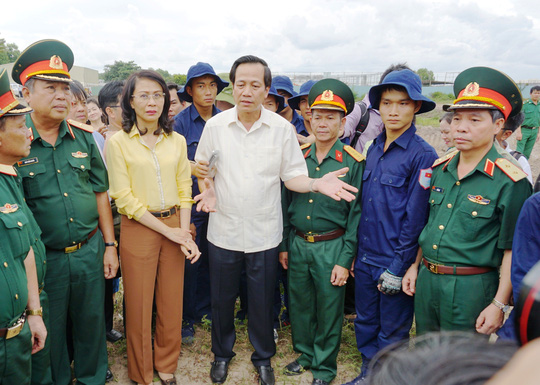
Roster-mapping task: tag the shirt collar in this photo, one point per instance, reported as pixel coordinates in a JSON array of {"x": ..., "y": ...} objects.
[
  {"x": 194, "y": 113},
  {"x": 8, "y": 169},
  {"x": 486, "y": 165},
  {"x": 135, "y": 132},
  {"x": 265, "y": 118},
  {"x": 402, "y": 141},
  {"x": 336, "y": 149},
  {"x": 63, "y": 129}
]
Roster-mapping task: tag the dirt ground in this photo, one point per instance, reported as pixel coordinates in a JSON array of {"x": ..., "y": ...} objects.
[{"x": 194, "y": 362}]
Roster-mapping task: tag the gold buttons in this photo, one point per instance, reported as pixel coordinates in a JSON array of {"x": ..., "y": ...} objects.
[
  {"x": 71, "y": 219},
  {"x": 5, "y": 264},
  {"x": 308, "y": 217},
  {"x": 65, "y": 194},
  {"x": 433, "y": 201},
  {"x": 58, "y": 171},
  {"x": 457, "y": 183},
  {"x": 16, "y": 296},
  {"x": 31, "y": 173},
  {"x": 434, "y": 247},
  {"x": 317, "y": 169},
  {"x": 449, "y": 205},
  {"x": 310, "y": 201},
  {"x": 474, "y": 213},
  {"x": 441, "y": 227},
  {"x": 82, "y": 166},
  {"x": 19, "y": 224}
]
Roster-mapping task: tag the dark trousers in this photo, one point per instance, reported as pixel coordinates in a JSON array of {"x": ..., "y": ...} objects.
[
  {"x": 197, "y": 277},
  {"x": 225, "y": 270}
]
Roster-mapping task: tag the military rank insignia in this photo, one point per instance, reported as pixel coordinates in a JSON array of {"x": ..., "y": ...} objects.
[
  {"x": 79, "y": 154},
  {"x": 26, "y": 162},
  {"x": 425, "y": 177},
  {"x": 478, "y": 199},
  {"x": 9, "y": 208}
]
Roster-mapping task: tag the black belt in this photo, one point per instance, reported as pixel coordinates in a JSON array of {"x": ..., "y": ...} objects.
[
  {"x": 164, "y": 213},
  {"x": 312, "y": 237}
]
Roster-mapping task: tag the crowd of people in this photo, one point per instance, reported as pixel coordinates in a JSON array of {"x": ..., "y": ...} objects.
[{"x": 235, "y": 185}]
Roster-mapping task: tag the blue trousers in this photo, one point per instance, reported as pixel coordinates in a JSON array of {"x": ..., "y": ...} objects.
[{"x": 380, "y": 319}]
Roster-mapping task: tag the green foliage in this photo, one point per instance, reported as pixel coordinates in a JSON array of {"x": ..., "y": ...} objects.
[
  {"x": 441, "y": 97},
  {"x": 166, "y": 75},
  {"x": 9, "y": 52},
  {"x": 426, "y": 75},
  {"x": 120, "y": 70},
  {"x": 179, "y": 79}
]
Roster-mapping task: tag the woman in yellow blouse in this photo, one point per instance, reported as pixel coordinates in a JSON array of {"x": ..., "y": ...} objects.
[{"x": 150, "y": 179}]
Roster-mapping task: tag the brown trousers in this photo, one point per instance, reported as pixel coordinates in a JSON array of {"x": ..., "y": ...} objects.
[{"x": 152, "y": 267}]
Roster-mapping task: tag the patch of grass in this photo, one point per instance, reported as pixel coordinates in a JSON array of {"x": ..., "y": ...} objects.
[
  {"x": 422, "y": 120},
  {"x": 440, "y": 97}
]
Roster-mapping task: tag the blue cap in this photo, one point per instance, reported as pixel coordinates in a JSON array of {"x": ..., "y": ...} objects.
[
  {"x": 283, "y": 83},
  {"x": 280, "y": 99},
  {"x": 304, "y": 91},
  {"x": 407, "y": 79},
  {"x": 196, "y": 71}
]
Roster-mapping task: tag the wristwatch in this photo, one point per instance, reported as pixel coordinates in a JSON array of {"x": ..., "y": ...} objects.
[
  {"x": 114, "y": 244},
  {"x": 504, "y": 308},
  {"x": 38, "y": 312}
]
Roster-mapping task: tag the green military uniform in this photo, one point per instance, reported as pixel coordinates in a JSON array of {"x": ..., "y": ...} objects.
[
  {"x": 15, "y": 243},
  {"x": 316, "y": 306},
  {"x": 529, "y": 128},
  {"x": 471, "y": 223},
  {"x": 471, "y": 220},
  {"x": 60, "y": 183}
]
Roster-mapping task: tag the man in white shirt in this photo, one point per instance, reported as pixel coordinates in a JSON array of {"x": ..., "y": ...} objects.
[{"x": 255, "y": 149}]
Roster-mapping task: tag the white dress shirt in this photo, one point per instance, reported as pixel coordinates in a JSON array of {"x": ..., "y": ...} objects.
[
  {"x": 250, "y": 164},
  {"x": 523, "y": 162}
]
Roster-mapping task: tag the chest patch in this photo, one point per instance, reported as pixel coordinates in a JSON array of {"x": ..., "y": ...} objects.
[
  {"x": 79, "y": 154},
  {"x": 425, "y": 178},
  {"x": 478, "y": 199},
  {"x": 9, "y": 208},
  {"x": 26, "y": 162},
  {"x": 437, "y": 189}
]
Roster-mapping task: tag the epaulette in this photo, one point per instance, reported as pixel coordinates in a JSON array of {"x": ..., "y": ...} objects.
[
  {"x": 82, "y": 126},
  {"x": 510, "y": 169},
  {"x": 305, "y": 145},
  {"x": 445, "y": 158},
  {"x": 355, "y": 154}
]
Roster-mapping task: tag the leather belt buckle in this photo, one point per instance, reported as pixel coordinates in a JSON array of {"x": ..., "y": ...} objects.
[
  {"x": 165, "y": 214},
  {"x": 310, "y": 238},
  {"x": 15, "y": 330},
  {"x": 71, "y": 249},
  {"x": 433, "y": 267}
]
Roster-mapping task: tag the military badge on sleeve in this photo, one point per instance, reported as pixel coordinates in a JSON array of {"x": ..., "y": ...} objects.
[
  {"x": 425, "y": 177},
  {"x": 9, "y": 208},
  {"x": 79, "y": 154}
]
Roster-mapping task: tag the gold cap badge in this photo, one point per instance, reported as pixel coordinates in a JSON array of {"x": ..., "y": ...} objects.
[
  {"x": 56, "y": 62},
  {"x": 472, "y": 89}
]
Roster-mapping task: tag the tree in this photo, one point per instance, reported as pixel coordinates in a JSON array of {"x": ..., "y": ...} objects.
[
  {"x": 166, "y": 75},
  {"x": 9, "y": 52},
  {"x": 120, "y": 70},
  {"x": 426, "y": 75},
  {"x": 179, "y": 79}
]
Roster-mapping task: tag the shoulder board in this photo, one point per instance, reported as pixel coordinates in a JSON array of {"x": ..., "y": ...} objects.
[
  {"x": 445, "y": 158},
  {"x": 304, "y": 146},
  {"x": 355, "y": 154},
  {"x": 82, "y": 126},
  {"x": 510, "y": 169}
]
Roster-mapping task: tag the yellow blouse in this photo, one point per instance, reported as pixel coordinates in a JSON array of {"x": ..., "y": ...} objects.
[{"x": 143, "y": 179}]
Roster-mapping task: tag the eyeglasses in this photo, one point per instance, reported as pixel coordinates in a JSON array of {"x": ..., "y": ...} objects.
[{"x": 158, "y": 97}]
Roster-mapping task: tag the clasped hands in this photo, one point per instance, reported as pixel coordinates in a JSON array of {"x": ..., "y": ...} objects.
[{"x": 186, "y": 242}]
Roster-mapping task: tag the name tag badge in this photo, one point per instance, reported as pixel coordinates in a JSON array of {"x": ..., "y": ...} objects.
[
  {"x": 437, "y": 189},
  {"x": 26, "y": 162}
]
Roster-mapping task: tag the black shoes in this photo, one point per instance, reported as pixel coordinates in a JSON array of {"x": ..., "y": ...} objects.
[
  {"x": 294, "y": 369},
  {"x": 109, "y": 376},
  {"x": 113, "y": 335},
  {"x": 316, "y": 381},
  {"x": 266, "y": 375},
  {"x": 218, "y": 372}
]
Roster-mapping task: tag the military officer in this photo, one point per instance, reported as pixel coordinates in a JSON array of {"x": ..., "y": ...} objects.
[
  {"x": 21, "y": 332},
  {"x": 65, "y": 186},
  {"x": 319, "y": 238},
  {"x": 476, "y": 196}
]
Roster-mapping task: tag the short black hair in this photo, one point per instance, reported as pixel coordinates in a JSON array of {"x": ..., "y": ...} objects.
[
  {"x": 108, "y": 95},
  {"x": 173, "y": 86},
  {"x": 251, "y": 59},
  {"x": 513, "y": 122},
  {"x": 77, "y": 89},
  {"x": 129, "y": 118},
  {"x": 535, "y": 88},
  {"x": 392, "y": 68}
]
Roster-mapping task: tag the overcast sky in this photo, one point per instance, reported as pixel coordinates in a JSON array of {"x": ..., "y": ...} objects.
[{"x": 291, "y": 35}]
